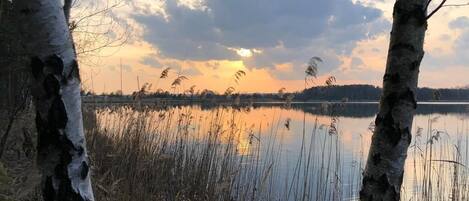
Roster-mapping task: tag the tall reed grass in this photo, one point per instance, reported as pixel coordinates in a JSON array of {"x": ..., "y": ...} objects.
[
  {"x": 439, "y": 163},
  {"x": 143, "y": 152}
]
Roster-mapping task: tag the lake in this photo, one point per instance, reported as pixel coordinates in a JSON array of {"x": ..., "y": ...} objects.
[{"x": 312, "y": 151}]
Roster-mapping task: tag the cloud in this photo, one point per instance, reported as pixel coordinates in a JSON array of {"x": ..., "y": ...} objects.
[
  {"x": 192, "y": 71},
  {"x": 264, "y": 23},
  {"x": 285, "y": 31},
  {"x": 357, "y": 63},
  {"x": 462, "y": 42},
  {"x": 200, "y": 39},
  {"x": 143, "y": 7},
  {"x": 460, "y": 49},
  {"x": 459, "y": 23},
  {"x": 150, "y": 60}
]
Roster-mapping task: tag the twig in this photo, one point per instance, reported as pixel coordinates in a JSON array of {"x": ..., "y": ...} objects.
[
  {"x": 436, "y": 9},
  {"x": 105, "y": 10},
  {"x": 450, "y": 161},
  {"x": 456, "y": 5}
]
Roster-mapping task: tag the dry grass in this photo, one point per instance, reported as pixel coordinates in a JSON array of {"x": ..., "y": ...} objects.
[
  {"x": 139, "y": 155},
  {"x": 439, "y": 161},
  {"x": 153, "y": 153},
  {"x": 166, "y": 153},
  {"x": 157, "y": 153}
]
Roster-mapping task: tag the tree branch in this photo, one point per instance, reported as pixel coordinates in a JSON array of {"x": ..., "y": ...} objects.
[
  {"x": 67, "y": 7},
  {"x": 107, "y": 9},
  {"x": 428, "y": 4},
  {"x": 436, "y": 9},
  {"x": 456, "y": 5}
]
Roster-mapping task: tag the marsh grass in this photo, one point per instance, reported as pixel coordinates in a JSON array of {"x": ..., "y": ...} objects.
[
  {"x": 143, "y": 152},
  {"x": 138, "y": 156},
  {"x": 439, "y": 163}
]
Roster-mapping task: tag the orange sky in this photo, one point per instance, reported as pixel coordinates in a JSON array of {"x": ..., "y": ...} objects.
[{"x": 103, "y": 73}]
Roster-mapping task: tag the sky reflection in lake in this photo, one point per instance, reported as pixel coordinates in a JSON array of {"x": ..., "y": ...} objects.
[{"x": 317, "y": 151}]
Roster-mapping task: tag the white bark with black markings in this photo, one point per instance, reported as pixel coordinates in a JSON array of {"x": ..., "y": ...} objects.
[
  {"x": 384, "y": 170},
  {"x": 62, "y": 154}
]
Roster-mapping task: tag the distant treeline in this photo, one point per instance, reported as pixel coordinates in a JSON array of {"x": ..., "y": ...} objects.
[
  {"x": 372, "y": 93},
  {"x": 358, "y": 92}
]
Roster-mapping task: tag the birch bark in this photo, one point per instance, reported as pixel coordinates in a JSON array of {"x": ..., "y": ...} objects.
[
  {"x": 62, "y": 155},
  {"x": 384, "y": 170}
]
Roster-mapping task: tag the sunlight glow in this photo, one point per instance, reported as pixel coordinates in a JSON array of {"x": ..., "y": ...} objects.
[
  {"x": 192, "y": 4},
  {"x": 246, "y": 53}
]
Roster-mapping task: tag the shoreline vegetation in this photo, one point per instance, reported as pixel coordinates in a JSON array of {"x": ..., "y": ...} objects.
[
  {"x": 330, "y": 93},
  {"x": 144, "y": 152},
  {"x": 160, "y": 151}
]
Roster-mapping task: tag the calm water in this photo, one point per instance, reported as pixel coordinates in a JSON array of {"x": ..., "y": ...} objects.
[{"x": 317, "y": 151}]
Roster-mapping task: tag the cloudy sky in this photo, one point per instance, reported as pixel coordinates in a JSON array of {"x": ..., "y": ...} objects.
[{"x": 271, "y": 40}]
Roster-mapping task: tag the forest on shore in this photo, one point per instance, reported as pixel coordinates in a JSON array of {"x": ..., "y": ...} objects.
[{"x": 355, "y": 92}]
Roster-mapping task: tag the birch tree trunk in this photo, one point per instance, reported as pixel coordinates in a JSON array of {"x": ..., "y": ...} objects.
[
  {"x": 62, "y": 155},
  {"x": 384, "y": 170}
]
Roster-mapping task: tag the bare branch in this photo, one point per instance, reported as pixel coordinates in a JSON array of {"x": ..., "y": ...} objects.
[
  {"x": 436, "y": 9},
  {"x": 428, "y": 4},
  {"x": 67, "y": 7},
  {"x": 441, "y": 5},
  {"x": 95, "y": 27},
  {"x": 108, "y": 44},
  {"x": 105, "y": 10},
  {"x": 456, "y": 5}
]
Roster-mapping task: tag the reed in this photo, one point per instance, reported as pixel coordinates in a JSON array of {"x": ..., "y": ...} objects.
[{"x": 156, "y": 152}]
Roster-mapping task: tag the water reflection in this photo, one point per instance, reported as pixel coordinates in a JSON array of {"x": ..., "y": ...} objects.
[{"x": 295, "y": 156}]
